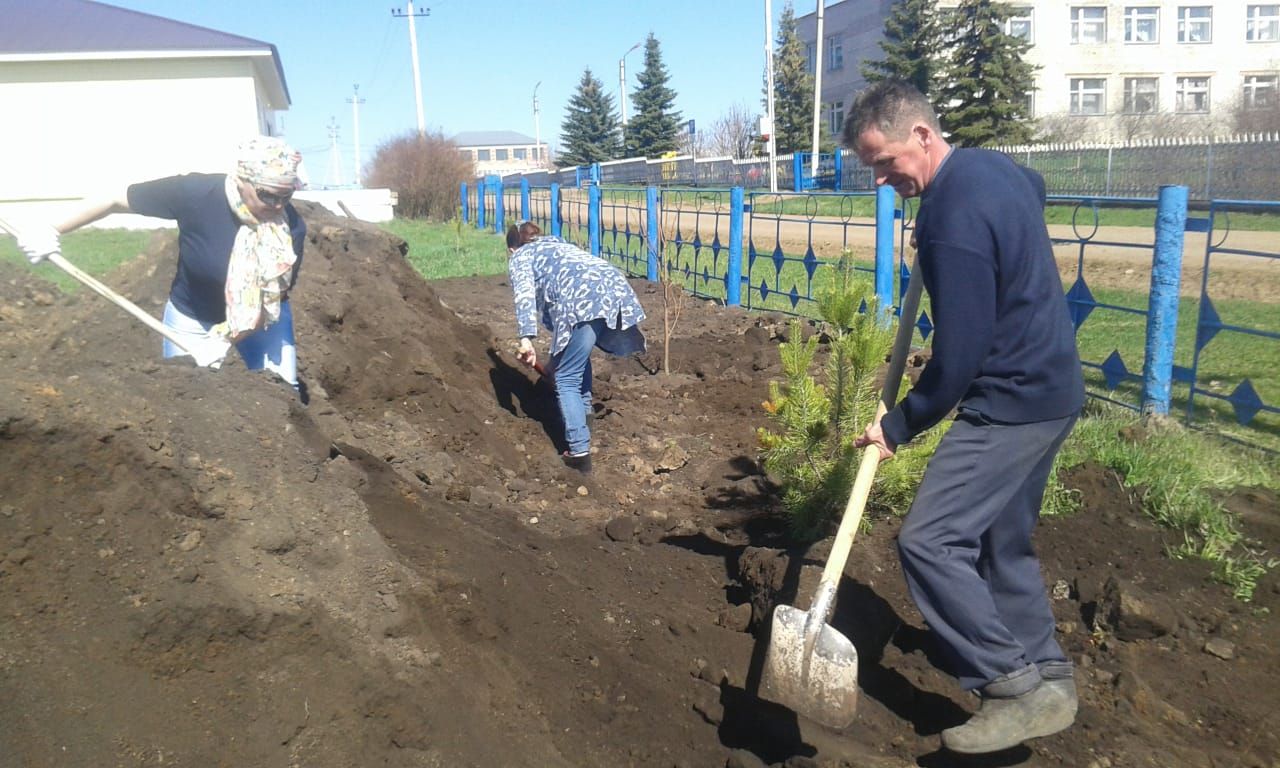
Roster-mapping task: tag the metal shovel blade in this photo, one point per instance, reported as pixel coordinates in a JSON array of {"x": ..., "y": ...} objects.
[{"x": 821, "y": 685}]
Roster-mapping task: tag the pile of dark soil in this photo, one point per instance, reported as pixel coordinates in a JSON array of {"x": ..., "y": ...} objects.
[{"x": 196, "y": 569}]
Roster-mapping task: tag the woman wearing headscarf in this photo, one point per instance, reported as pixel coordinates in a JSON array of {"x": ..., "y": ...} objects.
[
  {"x": 239, "y": 250},
  {"x": 585, "y": 302}
]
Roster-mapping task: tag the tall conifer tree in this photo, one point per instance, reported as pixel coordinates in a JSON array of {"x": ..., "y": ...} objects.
[
  {"x": 590, "y": 130},
  {"x": 987, "y": 79},
  {"x": 655, "y": 126},
  {"x": 792, "y": 88},
  {"x": 912, "y": 42}
]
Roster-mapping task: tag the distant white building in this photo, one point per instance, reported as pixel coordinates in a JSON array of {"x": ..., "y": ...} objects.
[
  {"x": 502, "y": 152},
  {"x": 96, "y": 96},
  {"x": 1108, "y": 69}
]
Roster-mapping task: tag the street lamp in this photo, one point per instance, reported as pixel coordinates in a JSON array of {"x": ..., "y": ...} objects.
[
  {"x": 537, "y": 130},
  {"x": 622, "y": 81}
]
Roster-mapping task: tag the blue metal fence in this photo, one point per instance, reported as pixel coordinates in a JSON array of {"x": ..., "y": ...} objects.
[{"x": 765, "y": 251}]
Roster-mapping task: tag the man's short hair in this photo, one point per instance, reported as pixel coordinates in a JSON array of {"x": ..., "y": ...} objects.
[{"x": 890, "y": 106}]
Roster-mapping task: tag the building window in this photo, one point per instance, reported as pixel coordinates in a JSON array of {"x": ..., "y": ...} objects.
[
  {"x": 518, "y": 153},
  {"x": 1141, "y": 24},
  {"x": 1141, "y": 95},
  {"x": 1263, "y": 25},
  {"x": 1195, "y": 23},
  {"x": 1193, "y": 94},
  {"x": 499, "y": 154},
  {"x": 482, "y": 155},
  {"x": 835, "y": 119},
  {"x": 1019, "y": 24},
  {"x": 835, "y": 53},
  {"x": 1088, "y": 95},
  {"x": 1088, "y": 25},
  {"x": 1260, "y": 91},
  {"x": 808, "y": 57}
]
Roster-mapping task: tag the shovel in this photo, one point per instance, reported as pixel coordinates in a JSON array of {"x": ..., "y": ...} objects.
[
  {"x": 810, "y": 667},
  {"x": 102, "y": 290}
]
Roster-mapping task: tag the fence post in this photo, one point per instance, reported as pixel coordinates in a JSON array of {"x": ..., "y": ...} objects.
[
  {"x": 652, "y": 213},
  {"x": 1162, "y": 317},
  {"x": 524, "y": 199},
  {"x": 499, "y": 212},
  {"x": 465, "y": 201},
  {"x": 733, "y": 272},
  {"x": 595, "y": 174},
  {"x": 885, "y": 232},
  {"x": 482, "y": 191},
  {"x": 797, "y": 171},
  {"x": 593, "y": 219},
  {"x": 839, "y": 168},
  {"x": 554, "y": 213}
]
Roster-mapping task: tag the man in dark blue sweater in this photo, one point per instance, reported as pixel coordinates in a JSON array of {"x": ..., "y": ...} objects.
[{"x": 1004, "y": 356}]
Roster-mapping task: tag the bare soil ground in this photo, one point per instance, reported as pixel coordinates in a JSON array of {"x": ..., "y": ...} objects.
[{"x": 196, "y": 569}]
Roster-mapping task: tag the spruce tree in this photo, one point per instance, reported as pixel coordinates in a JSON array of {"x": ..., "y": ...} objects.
[
  {"x": 792, "y": 88},
  {"x": 655, "y": 126},
  {"x": 987, "y": 78},
  {"x": 911, "y": 45},
  {"x": 590, "y": 130}
]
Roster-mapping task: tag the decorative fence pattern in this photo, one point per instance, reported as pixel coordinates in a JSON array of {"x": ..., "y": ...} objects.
[{"x": 766, "y": 251}]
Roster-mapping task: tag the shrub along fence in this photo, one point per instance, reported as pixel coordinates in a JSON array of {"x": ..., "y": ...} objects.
[{"x": 769, "y": 251}]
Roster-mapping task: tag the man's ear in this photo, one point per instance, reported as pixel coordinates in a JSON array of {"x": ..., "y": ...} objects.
[{"x": 923, "y": 133}]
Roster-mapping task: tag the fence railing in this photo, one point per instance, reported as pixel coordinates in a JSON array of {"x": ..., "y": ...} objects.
[
  {"x": 1239, "y": 167},
  {"x": 770, "y": 251}
]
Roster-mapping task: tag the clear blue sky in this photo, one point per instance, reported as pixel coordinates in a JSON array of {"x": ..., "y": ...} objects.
[{"x": 480, "y": 60}]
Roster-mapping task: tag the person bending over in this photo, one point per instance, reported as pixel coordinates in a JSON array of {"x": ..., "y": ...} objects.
[{"x": 585, "y": 302}]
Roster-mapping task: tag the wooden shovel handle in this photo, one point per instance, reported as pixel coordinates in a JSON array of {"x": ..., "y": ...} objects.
[
  {"x": 871, "y": 454},
  {"x": 102, "y": 290},
  {"x": 115, "y": 298}
]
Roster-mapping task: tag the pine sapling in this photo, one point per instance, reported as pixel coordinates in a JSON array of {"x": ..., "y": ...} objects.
[{"x": 812, "y": 450}]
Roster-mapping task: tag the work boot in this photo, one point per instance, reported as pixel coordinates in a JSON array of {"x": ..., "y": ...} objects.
[
  {"x": 582, "y": 462},
  {"x": 1003, "y": 723}
]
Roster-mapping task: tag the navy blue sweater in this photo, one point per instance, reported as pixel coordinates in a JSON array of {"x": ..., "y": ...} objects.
[
  {"x": 207, "y": 229},
  {"x": 1003, "y": 345}
]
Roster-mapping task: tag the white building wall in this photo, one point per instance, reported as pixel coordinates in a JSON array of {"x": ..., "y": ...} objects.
[
  {"x": 1226, "y": 59},
  {"x": 80, "y": 129}
]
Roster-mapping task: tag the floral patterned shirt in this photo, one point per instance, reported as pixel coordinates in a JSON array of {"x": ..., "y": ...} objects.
[{"x": 567, "y": 286}]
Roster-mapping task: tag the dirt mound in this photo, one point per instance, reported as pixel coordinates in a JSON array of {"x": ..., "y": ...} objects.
[{"x": 197, "y": 569}]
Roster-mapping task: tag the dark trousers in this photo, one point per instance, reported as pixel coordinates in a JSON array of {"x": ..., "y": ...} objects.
[{"x": 967, "y": 555}]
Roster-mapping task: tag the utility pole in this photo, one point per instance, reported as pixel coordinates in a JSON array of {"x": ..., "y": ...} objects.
[
  {"x": 413, "y": 51},
  {"x": 817, "y": 93},
  {"x": 335, "y": 155},
  {"x": 768, "y": 63},
  {"x": 356, "y": 101},
  {"x": 537, "y": 130}
]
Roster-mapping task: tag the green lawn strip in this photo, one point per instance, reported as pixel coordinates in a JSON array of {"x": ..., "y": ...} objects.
[
  {"x": 1178, "y": 476},
  {"x": 449, "y": 250},
  {"x": 96, "y": 251}
]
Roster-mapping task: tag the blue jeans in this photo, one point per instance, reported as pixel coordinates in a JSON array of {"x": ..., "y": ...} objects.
[
  {"x": 271, "y": 348},
  {"x": 572, "y": 368}
]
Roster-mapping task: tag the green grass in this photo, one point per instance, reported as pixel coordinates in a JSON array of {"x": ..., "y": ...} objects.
[
  {"x": 96, "y": 251},
  {"x": 1178, "y": 475},
  {"x": 450, "y": 250}
]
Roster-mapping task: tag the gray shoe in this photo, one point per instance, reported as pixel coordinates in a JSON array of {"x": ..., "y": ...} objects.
[{"x": 1004, "y": 723}]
